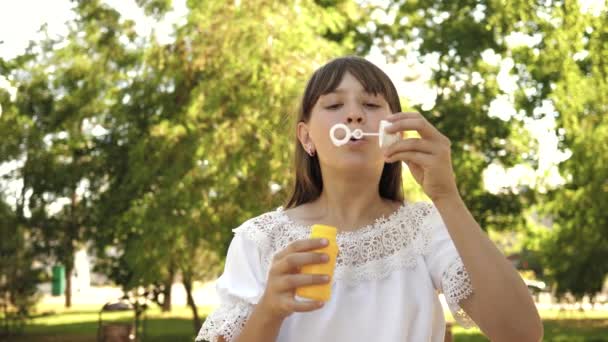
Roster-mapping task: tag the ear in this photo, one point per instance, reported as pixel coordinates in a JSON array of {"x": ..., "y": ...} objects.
[{"x": 303, "y": 134}]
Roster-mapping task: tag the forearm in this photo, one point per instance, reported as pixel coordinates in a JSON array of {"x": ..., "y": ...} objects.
[
  {"x": 260, "y": 327},
  {"x": 501, "y": 302}
]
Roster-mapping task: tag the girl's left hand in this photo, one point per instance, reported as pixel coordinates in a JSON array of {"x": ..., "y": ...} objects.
[{"x": 428, "y": 158}]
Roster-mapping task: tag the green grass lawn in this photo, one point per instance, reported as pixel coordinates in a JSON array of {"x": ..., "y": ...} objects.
[
  {"x": 79, "y": 324},
  {"x": 563, "y": 330},
  {"x": 565, "y": 326}
]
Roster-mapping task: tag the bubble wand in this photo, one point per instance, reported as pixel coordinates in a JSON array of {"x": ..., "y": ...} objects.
[{"x": 384, "y": 139}]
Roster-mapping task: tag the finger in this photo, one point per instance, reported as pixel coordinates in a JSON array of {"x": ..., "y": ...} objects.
[
  {"x": 414, "y": 123},
  {"x": 293, "y": 281},
  {"x": 413, "y": 167},
  {"x": 416, "y": 145},
  {"x": 411, "y": 124},
  {"x": 305, "y": 306},
  {"x": 420, "y": 158},
  {"x": 403, "y": 115},
  {"x": 294, "y": 261},
  {"x": 301, "y": 246}
]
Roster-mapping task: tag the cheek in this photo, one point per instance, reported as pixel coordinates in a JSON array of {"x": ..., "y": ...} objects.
[{"x": 320, "y": 124}]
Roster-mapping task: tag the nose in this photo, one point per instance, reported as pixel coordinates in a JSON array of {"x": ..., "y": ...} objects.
[{"x": 354, "y": 116}]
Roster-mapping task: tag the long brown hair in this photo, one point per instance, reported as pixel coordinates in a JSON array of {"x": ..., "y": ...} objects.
[{"x": 308, "y": 182}]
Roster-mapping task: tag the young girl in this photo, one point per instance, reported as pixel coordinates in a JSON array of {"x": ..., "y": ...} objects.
[{"x": 394, "y": 256}]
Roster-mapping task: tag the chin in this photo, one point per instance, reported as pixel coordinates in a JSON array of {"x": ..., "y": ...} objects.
[{"x": 356, "y": 162}]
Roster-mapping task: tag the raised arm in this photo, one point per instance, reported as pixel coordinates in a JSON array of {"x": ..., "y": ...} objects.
[{"x": 500, "y": 304}]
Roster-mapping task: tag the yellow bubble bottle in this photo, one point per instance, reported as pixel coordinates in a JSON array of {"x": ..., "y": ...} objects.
[{"x": 321, "y": 292}]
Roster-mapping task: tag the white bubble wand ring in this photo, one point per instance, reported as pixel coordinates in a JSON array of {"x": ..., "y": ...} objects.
[{"x": 384, "y": 139}]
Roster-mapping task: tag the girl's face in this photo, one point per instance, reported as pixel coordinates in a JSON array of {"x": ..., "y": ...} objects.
[{"x": 351, "y": 105}]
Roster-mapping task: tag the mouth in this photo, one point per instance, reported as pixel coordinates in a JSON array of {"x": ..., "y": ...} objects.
[{"x": 354, "y": 141}]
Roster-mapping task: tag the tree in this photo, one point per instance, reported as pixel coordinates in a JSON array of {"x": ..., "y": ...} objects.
[
  {"x": 564, "y": 68},
  {"x": 19, "y": 275},
  {"x": 446, "y": 32},
  {"x": 574, "y": 57},
  {"x": 202, "y": 142},
  {"x": 65, "y": 88}
]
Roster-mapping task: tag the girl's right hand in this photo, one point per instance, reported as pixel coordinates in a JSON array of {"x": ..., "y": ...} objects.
[{"x": 284, "y": 277}]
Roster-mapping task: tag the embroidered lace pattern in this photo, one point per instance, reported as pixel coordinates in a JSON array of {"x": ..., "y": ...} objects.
[
  {"x": 369, "y": 253},
  {"x": 456, "y": 287},
  {"x": 227, "y": 321}
]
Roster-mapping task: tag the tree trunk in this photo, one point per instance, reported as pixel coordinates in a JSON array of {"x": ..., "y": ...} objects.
[
  {"x": 167, "y": 291},
  {"x": 69, "y": 255},
  {"x": 196, "y": 320},
  {"x": 68, "y": 284},
  {"x": 167, "y": 298}
]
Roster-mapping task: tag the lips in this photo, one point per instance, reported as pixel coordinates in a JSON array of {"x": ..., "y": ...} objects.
[{"x": 356, "y": 141}]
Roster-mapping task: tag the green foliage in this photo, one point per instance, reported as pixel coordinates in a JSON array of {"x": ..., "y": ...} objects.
[
  {"x": 155, "y": 8},
  {"x": 203, "y": 134},
  {"x": 568, "y": 68},
  {"x": 156, "y": 150},
  {"x": 18, "y": 277},
  {"x": 580, "y": 206},
  {"x": 462, "y": 102}
]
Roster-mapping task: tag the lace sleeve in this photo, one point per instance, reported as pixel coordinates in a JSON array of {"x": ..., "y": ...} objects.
[
  {"x": 456, "y": 287},
  {"x": 447, "y": 271},
  {"x": 227, "y": 321},
  {"x": 239, "y": 288}
]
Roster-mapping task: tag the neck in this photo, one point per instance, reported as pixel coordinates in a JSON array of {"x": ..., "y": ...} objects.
[{"x": 351, "y": 200}]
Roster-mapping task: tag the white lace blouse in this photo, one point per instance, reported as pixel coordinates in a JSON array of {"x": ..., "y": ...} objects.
[{"x": 385, "y": 287}]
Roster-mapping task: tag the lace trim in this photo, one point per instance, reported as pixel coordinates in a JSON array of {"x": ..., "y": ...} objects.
[
  {"x": 371, "y": 252},
  {"x": 227, "y": 321},
  {"x": 457, "y": 287}
]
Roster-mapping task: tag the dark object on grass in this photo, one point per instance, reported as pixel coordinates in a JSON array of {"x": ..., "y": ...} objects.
[{"x": 121, "y": 331}]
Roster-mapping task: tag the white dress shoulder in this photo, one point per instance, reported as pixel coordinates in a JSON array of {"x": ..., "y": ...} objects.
[{"x": 385, "y": 288}]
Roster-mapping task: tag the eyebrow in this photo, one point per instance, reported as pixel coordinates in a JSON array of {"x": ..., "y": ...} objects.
[{"x": 342, "y": 91}]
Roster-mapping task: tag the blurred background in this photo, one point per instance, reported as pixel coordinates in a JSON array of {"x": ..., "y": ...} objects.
[{"x": 135, "y": 134}]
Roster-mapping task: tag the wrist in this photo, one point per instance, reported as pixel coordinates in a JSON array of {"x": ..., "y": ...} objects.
[
  {"x": 447, "y": 200},
  {"x": 268, "y": 314},
  {"x": 261, "y": 325}
]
